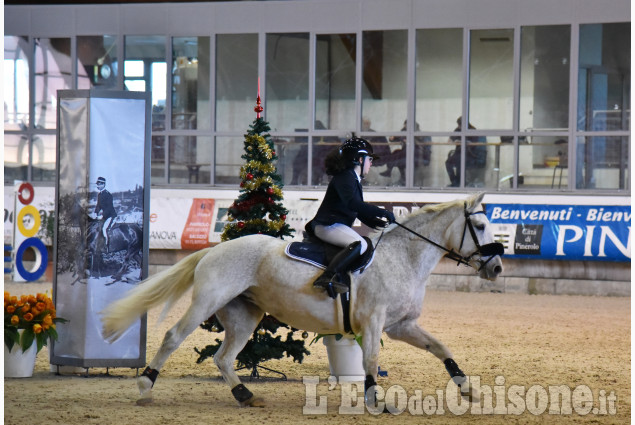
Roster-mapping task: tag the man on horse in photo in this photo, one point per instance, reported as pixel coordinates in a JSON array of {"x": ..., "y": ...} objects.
[
  {"x": 108, "y": 212},
  {"x": 342, "y": 204}
]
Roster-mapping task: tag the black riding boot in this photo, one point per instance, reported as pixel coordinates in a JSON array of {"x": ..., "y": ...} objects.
[{"x": 339, "y": 264}]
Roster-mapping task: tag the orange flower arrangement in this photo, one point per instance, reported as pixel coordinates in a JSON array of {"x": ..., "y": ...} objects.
[{"x": 34, "y": 315}]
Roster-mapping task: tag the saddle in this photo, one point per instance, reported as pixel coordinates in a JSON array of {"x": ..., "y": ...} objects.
[{"x": 319, "y": 254}]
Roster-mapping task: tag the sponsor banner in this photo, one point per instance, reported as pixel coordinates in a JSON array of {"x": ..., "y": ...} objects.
[
  {"x": 196, "y": 232},
  {"x": 563, "y": 232},
  {"x": 168, "y": 217}
]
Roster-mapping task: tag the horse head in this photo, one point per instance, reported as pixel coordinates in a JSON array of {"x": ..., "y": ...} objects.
[
  {"x": 460, "y": 229},
  {"x": 472, "y": 239}
]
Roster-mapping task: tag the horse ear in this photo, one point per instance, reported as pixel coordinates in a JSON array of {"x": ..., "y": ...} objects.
[{"x": 474, "y": 201}]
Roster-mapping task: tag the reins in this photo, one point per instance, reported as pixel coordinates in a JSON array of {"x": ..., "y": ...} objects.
[
  {"x": 450, "y": 253},
  {"x": 491, "y": 249}
]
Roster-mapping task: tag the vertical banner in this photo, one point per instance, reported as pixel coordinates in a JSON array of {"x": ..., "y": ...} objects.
[{"x": 101, "y": 247}]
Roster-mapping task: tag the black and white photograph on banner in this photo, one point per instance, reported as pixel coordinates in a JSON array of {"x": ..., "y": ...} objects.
[{"x": 100, "y": 226}]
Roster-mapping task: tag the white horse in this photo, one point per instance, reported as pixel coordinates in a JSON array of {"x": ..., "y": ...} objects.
[{"x": 239, "y": 280}]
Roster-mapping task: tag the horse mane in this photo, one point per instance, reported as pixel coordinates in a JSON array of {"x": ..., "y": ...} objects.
[{"x": 469, "y": 202}]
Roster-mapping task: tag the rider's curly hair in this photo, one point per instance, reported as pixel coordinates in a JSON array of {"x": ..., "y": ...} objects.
[{"x": 334, "y": 163}]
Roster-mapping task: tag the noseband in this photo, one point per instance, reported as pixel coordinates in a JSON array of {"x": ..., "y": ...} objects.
[{"x": 488, "y": 250}]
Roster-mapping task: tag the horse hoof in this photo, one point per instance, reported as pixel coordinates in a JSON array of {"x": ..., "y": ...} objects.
[
  {"x": 144, "y": 401},
  {"x": 253, "y": 402}
]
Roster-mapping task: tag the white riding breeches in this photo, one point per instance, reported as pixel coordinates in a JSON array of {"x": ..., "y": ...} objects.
[
  {"x": 339, "y": 234},
  {"x": 104, "y": 229}
]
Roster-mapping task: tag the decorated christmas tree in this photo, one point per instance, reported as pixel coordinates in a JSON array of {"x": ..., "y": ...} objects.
[{"x": 258, "y": 210}]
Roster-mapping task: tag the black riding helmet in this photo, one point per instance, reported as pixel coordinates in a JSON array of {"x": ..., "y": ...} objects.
[{"x": 355, "y": 147}]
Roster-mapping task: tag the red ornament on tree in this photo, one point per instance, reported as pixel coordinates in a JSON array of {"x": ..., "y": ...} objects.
[
  {"x": 283, "y": 217},
  {"x": 249, "y": 176},
  {"x": 240, "y": 225},
  {"x": 270, "y": 191}
]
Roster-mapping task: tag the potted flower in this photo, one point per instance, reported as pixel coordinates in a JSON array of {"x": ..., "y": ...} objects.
[{"x": 29, "y": 322}]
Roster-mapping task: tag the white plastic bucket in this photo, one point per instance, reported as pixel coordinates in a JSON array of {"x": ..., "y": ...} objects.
[
  {"x": 19, "y": 364},
  {"x": 345, "y": 358}
]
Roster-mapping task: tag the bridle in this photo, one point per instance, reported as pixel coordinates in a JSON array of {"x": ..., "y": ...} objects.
[{"x": 490, "y": 250}]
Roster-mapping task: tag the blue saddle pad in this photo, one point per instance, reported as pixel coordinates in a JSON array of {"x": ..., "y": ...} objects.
[{"x": 320, "y": 254}]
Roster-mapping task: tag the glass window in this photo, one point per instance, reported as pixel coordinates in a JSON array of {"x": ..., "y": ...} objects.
[
  {"x": 543, "y": 163},
  {"x": 430, "y": 156},
  {"x": 544, "y": 78},
  {"x": 287, "y": 81},
  {"x": 16, "y": 83},
  {"x": 384, "y": 78},
  {"x": 52, "y": 73},
  {"x": 439, "y": 78},
  {"x": 96, "y": 62},
  {"x": 483, "y": 161},
  {"x": 228, "y": 160},
  {"x": 604, "y": 77},
  {"x": 145, "y": 69},
  {"x": 322, "y": 146},
  {"x": 335, "y": 81},
  {"x": 16, "y": 158},
  {"x": 491, "y": 102},
  {"x": 190, "y": 160},
  {"x": 384, "y": 102},
  {"x": 292, "y": 159},
  {"x": 602, "y": 163},
  {"x": 158, "y": 160},
  {"x": 488, "y": 162},
  {"x": 190, "y": 83},
  {"x": 236, "y": 81},
  {"x": 43, "y": 157}
]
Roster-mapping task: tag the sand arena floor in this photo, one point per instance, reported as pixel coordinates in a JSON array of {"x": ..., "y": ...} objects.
[{"x": 517, "y": 345}]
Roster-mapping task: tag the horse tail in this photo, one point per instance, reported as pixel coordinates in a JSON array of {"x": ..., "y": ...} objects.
[{"x": 164, "y": 287}]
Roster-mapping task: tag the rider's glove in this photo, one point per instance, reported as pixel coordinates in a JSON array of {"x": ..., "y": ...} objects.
[
  {"x": 377, "y": 223},
  {"x": 389, "y": 216}
]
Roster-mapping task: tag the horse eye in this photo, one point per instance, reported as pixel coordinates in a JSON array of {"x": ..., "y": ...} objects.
[{"x": 480, "y": 227}]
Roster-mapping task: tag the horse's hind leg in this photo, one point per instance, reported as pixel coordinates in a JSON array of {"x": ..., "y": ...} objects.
[
  {"x": 239, "y": 318},
  {"x": 199, "y": 310}
]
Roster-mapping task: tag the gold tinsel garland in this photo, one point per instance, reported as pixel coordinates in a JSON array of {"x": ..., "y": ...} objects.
[
  {"x": 259, "y": 143},
  {"x": 256, "y": 166}
]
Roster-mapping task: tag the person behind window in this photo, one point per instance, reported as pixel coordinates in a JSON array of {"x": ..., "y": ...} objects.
[
  {"x": 423, "y": 151},
  {"x": 475, "y": 155},
  {"x": 342, "y": 204}
]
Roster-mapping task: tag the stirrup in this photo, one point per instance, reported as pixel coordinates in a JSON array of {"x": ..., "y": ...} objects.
[{"x": 325, "y": 282}]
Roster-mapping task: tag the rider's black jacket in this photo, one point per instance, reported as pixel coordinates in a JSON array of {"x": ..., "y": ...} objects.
[{"x": 344, "y": 202}]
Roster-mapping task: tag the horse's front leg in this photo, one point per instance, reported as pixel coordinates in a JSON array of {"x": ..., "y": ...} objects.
[
  {"x": 371, "y": 341},
  {"x": 239, "y": 318},
  {"x": 409, "y": 331}
]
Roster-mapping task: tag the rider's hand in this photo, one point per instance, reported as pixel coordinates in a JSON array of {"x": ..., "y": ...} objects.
[
  {"x": 389, "y": 216},
  {"x": 377, "y": 223}
]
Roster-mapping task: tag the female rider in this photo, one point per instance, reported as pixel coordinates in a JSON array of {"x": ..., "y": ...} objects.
[{"x": 342, "y": 204}]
